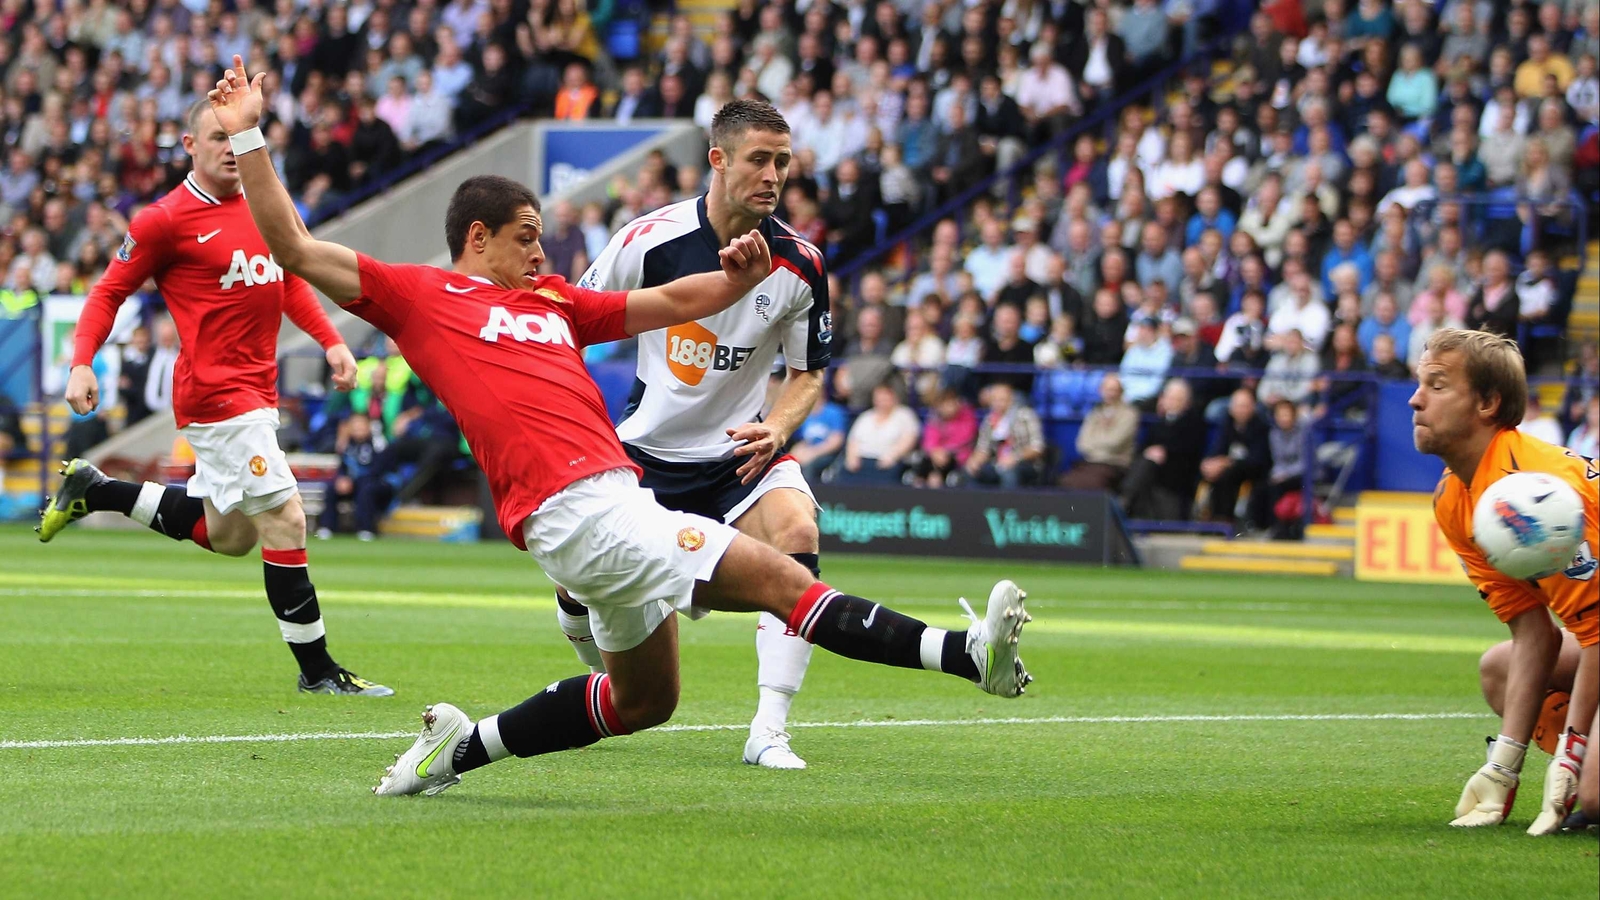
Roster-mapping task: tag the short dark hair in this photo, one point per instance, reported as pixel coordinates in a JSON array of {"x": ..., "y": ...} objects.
[
  {"x": 739, "y": 116},
  {"x": 489, "y": 199}
]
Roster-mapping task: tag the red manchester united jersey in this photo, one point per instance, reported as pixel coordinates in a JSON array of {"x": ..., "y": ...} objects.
[
  {"x": 508, "y": 366},
  {"x": 225, "y": 292}
]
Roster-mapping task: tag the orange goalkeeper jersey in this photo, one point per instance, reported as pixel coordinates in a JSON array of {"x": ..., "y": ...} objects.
[{"x": 1574, "y": 594}]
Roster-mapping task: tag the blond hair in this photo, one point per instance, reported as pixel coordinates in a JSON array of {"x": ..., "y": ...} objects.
[{"x": 1494, "y": 368}]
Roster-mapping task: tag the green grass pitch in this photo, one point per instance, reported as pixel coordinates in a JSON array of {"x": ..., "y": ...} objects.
[{"x": 1188, "y": 735}]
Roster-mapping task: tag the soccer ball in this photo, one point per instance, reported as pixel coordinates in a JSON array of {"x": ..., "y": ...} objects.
[{"x": 1528, "y": 525}]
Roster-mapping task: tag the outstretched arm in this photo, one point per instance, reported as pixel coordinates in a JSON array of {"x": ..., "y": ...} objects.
[
  {"x": 746, "y": 262},
  {"x": 330, "y": 267}
]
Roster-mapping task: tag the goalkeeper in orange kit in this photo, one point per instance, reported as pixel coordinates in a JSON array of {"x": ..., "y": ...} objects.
[{"x": 1471, "y": 394}]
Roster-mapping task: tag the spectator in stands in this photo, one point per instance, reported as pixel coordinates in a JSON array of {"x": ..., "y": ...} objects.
[
  {"x": 1345, "y": 249},
  {"x": 13, "y": 440},
  {"x": 134, "y": 373},
  {"x": 1006, "y": 347},
  {"x": 958, "y": 159},
  {"x": 1145, "y": 362},
  {"x": 1046, "y": 95},
  {"x": 881, "y": 439},
  {"x": 1103, "y": 332},
  {"x": 1157, "y": 261},
  {"x": 848, "y": 212},
  {"x": 428, "y": 118},
  {"x": 1585, "y": 439},
  {"x": 1144, "y": 33},
  {"x": 1385, "y": 320},
  {"x": 1287, "y": 475},
  {"x": 163, "y": 361},
  {"x": 1018, "y": 287},
  {"x": 1010, "y": 451},
  {"x": 1291, "y": 372},
  {"x": 990, "y": 261},
  {"x": 1342, "y": 357},
  {"x": 1303, "y": 314},
  {"x": 1188, "y": 351},
  {"x": 566, "y": 252},
  {"x": 821, "y": 437},
  {"x": 1540, "y": 423},
  {"x": 359, "y": 480},
  {"x": 1061, "y": 346},
  {"x": 921, "y": 350},
  {"x": 1240, "y": 454},
  {"x": 1386, "y": 361},
  {"x": 868, "y": 361},
  {"x": 940, "y": 277},
  {"x": 1494, "y": 306},
  {"x": 947, "y": 439},
  {"x": 1161, "y": 482},
  {"x": 1097, "y": 59},
  {"x": 1105, "y": 441}
]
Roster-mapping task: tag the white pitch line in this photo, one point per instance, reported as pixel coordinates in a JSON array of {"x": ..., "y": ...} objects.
[{"x": 886, "y": 723}]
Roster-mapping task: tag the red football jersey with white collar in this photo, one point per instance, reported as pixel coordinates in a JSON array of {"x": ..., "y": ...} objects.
[{"x": 226, "y": 295}]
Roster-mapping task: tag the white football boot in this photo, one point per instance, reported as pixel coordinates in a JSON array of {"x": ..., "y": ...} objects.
[
  {"x": 428, "y": 767},
  {"x": 769, "y": 749},
  {"x": 992, "y": 641}
]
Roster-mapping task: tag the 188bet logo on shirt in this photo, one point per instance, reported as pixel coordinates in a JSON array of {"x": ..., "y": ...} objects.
[{"x": 692, "y": 351}]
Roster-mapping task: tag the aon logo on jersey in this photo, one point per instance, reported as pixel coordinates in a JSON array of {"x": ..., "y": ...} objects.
[
  {"x": 692, "y": 351},
  {"x": 252, "y": 270},
  {"x": 546, "y": 328}
]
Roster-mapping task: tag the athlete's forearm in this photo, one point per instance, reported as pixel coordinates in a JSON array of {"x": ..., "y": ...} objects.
[
  {"x": 1585, "y": 691},
  {"x": 1534, "y": 646},
  {"x": 800, "y": 392},
  {"x": 94, "y": 325},
  {"x": 682, "y": 300},
  {"x": 272, "y": 208},
  {"x": 303, "y": 308}
]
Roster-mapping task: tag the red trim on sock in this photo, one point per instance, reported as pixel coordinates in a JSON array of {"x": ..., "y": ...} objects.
[
  {"x": 608, "y": 710},
  {"x": 803, "y": 607},
  {"x": 201, "y": 534},
  {"x": 284, "y": 557}
]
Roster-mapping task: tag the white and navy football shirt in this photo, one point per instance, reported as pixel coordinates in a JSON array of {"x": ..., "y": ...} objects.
[{"x": 698, "y": 379}]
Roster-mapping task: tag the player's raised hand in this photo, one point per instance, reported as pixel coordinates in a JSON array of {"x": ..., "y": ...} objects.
[
  {"x": 343, "y": 364},
  {"x": 237, "y": 99},
  {"x": 747, "y": 260},
  {"x": 1560, "y": 784},
  {"x": 83, "y": 390}
]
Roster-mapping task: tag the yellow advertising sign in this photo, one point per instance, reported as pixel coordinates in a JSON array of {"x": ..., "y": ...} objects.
[{"x": 1400, "y": 541}]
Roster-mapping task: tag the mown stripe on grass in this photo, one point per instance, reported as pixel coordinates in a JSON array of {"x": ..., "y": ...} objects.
[
  {"x": 1056, "y": 622},
  {"x": 866, "y": 723}
]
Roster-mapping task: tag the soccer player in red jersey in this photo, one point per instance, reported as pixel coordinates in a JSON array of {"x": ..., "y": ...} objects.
[
  {"x": 500, "y": 346},
  {"x": 227, "y": 296}
]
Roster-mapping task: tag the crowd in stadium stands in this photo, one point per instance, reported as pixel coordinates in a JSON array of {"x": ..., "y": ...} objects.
[{"x": 1196, "y": 281}]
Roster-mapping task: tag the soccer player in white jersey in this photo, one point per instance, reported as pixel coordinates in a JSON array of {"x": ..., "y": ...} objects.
[{"x": 693, "y": 422}]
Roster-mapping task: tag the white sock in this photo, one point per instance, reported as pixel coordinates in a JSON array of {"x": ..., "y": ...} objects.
[
  {"x": 489, "y": 733},
  {"x": 933, "y": 649},
  {"x": 782, "y": 659},
  {"x": 581, "y": 637}
]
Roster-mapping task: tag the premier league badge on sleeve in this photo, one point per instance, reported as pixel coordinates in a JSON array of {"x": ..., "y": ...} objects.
[
  {"x": 125, "y": 252},
  {"x": 825, "y": 333}
]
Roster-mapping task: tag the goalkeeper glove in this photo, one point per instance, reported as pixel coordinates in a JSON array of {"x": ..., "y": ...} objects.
[
  {"x": 1560, "y": 783},
  {"x": 1487, "y": 798}
]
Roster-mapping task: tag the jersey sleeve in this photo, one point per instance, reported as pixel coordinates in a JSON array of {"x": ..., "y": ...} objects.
[
  {"x": 387, "y": 293},
  {"x": 620, "y": 266},
  {"x": 808, "y": 340},
  {"x": 1506, "y": 596},
  {"x": 144, "y": 253},
  {"x": 598, "y": 317},
  {"x": 301, "y": 305}
]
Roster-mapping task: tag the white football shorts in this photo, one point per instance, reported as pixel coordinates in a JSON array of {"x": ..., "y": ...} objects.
[
  {"x": 238, "y": 463},
  {"x": 785, "y": 473},
  {"x": 632, "y": 561}
]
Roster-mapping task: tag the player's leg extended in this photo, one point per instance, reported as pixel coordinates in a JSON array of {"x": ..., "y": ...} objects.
[
  {"x": 639, "y": 690},
  {"x": 294, "y": 601},
  {"x": 573, "y": 617},
  {"x": 165, "y": 510},
  {"x": 753, "y": 577},
  {"x": 785, "y": 519}
]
